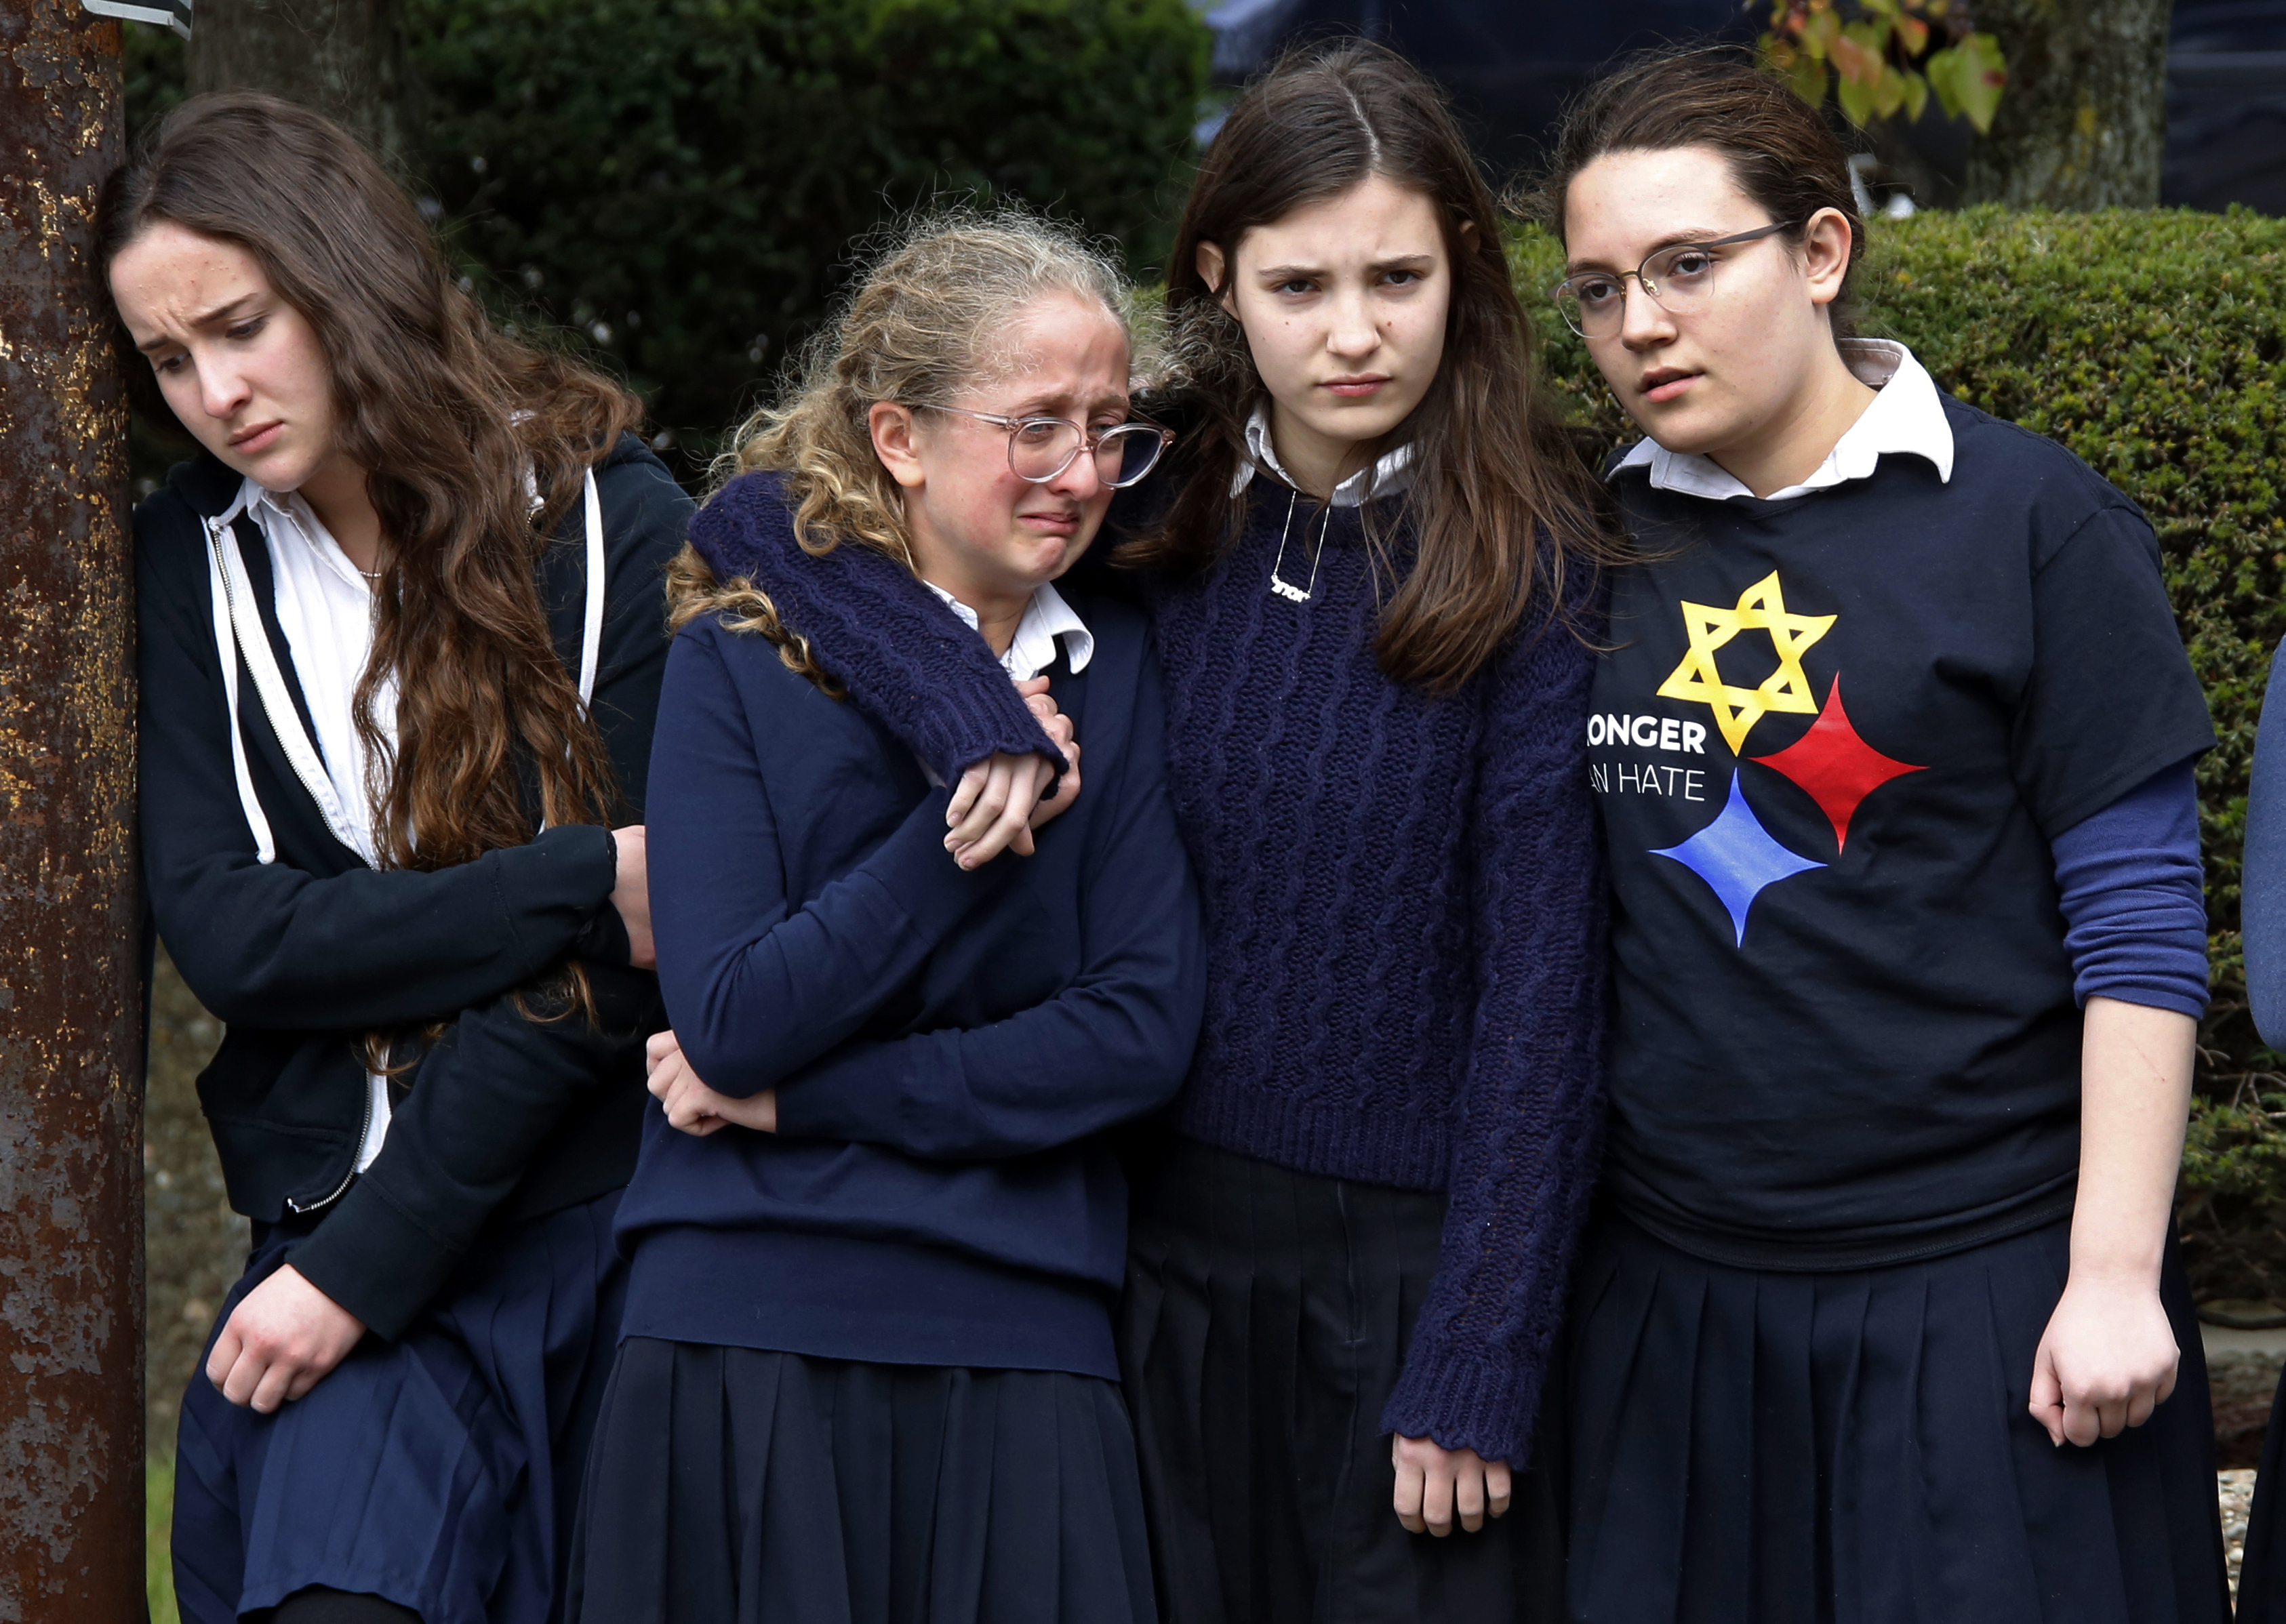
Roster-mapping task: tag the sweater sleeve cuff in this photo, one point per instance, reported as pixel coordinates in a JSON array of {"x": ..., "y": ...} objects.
[
  {"x": 1461, "y": 1404},
  {"x": 968, "y": 725},
  {"x": 371, "y": 1257}
]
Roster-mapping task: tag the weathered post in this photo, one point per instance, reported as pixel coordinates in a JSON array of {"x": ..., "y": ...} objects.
[{"x": 71, "y": 1061}]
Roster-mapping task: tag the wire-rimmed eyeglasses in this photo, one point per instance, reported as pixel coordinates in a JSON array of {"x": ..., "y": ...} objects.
[
  {"x": 1040, "y": 448},
  {"x": 1678, "y": 278}
]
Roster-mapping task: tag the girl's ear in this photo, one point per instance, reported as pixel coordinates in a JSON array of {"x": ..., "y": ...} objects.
[
  {"x": 890, "y": 425},
  {"x": 1209, "y": 264},
  {"x": 1825, "y": 242}
]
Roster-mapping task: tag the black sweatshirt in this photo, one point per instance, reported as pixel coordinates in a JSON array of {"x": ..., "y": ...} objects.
[{"x": 505, "y": 1114}]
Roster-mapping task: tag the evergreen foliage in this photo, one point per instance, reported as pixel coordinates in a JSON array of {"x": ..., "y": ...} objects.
[
  {"x": 681, "y": 180},
  {"x": 2153, "y": 344}
]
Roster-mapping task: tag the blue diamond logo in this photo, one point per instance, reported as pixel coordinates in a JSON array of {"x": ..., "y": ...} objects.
[{"x": 1737, "y": 856}]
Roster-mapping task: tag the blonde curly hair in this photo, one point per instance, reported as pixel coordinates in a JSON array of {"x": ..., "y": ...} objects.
[{"x": 928, "y": 320}]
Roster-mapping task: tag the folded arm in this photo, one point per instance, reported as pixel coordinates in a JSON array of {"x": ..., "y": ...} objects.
[
  {"x": 757, "y": 986},
  {"x": 271, "y": 945},
  {"x": 1111, "y": 1047}
]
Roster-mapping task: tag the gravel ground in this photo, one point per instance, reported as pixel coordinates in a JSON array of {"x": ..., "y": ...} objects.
[{"x": 2235, "y": 1489}]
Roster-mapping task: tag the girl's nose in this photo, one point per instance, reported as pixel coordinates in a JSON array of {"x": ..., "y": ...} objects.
[
  {"x": 1081, "y": 479},
  {"x": 222, "y": 389},
  {"x": 1352, "y": 331},
  {"x": 1644, "y": 321}
]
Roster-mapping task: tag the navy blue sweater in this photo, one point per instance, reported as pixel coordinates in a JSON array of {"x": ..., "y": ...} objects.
[
  {"x": 947, "y": 1047},
  {"x": 1404, "y": 906}
]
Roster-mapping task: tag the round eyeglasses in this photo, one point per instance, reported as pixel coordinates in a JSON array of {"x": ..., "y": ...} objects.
[
  {"x": 1040, "y": 448},
  {"x": 1679, "y": 280}
]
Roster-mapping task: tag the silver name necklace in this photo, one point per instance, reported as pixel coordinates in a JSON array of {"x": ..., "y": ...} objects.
[{"x": 1279, "y": 584}]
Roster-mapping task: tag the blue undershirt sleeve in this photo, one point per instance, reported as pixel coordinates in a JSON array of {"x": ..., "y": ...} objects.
[
  {"x": 2135, "y": 917},
  {"x": 2262, "y": 881}
]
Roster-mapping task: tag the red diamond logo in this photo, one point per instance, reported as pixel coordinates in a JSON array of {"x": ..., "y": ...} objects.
[{"x": 1834, "y": 767}]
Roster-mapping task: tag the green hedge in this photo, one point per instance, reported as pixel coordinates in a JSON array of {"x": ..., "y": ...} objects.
[
  {"x": 679, "y": 180},
  {"x": 2154, "y": 345}
]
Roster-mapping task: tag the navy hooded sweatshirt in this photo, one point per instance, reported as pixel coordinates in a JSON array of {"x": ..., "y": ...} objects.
[
  {"x": 505, "y": 1116},
  {"x": 948, "y": 1048}
]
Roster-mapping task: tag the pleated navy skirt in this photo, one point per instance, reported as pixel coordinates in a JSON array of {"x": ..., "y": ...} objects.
[
  {"x": 1763, "y": 1447},
  {"x": 1266, "y": 1315},
  {"x": 2262, "y": 1571},
  {"x": 440, "y": 1471},
  {"x": 733, "y": 1485}
]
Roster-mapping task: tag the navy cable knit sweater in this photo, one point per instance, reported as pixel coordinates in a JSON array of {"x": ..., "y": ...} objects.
[{"x": 1404, "y": 902}]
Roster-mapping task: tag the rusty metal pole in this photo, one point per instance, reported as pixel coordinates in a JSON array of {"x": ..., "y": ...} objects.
[{"x": 71, "y": 1060}]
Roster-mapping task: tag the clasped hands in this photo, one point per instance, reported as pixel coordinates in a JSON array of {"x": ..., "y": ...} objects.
[{"x": 998, "y": 801}]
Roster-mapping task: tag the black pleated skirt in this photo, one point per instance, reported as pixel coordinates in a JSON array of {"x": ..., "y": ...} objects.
[
  {"x": 441, "y": 1471},
  {"x": 1266, "y": 1315},
  {"x": 731, "y": 1485},
  {"x": 2262, "y": 1571},
  {"x": 1760, "y": 1447}
]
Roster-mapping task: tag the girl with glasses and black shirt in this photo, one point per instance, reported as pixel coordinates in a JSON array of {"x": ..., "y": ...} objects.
[
  {"x": 1369, "y": 567},
  {"x": 876, "y": 1230},
  {"x": 400, "y": 643},
  {"x": 1881, "y": 1317}
]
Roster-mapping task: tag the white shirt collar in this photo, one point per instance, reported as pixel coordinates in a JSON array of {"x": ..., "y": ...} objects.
[
  {"x": 1033, "y": 649},
  {"x": 1389, "y": 476},
  {"x": 267, "y": 506},
  {"x": 1907, "y": 417}
]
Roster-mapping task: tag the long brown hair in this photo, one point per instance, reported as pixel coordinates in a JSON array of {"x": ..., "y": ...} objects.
[
  {"x": 457, "y": 428},
  {"x": 1782, "y": 153},
  {"x": 1501, "y": 507}
]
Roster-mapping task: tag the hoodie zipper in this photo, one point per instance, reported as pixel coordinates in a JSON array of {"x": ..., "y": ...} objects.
[{"x": 364, "y": 1121}]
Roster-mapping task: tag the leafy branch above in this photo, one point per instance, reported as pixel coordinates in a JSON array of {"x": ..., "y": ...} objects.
[{"x": 1887, "y": 57}]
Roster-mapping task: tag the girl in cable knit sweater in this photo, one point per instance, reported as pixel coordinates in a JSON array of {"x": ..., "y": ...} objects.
[{"x": 1370, "y": 572}]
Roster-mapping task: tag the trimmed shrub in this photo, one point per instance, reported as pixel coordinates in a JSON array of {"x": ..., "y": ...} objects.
[
  {"x": 681, "y": 180},
  {"x": 2153, "y": 344}
]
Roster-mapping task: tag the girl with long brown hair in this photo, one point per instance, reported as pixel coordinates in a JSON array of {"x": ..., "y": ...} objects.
[
  {"x": 401, "y": 637},
  {"x": 1371, "y": 570}
]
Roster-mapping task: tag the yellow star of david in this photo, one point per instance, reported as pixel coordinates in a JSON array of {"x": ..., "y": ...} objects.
[{"x": 1762, "y": 608}]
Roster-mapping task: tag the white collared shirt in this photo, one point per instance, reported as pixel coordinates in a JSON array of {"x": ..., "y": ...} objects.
[
  {"x": 1907, "y": 417},
  {"x": 326, "y": 608},
  {"x": 1390, "y": 474},
  {"x": 1033, "y": 649}
]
